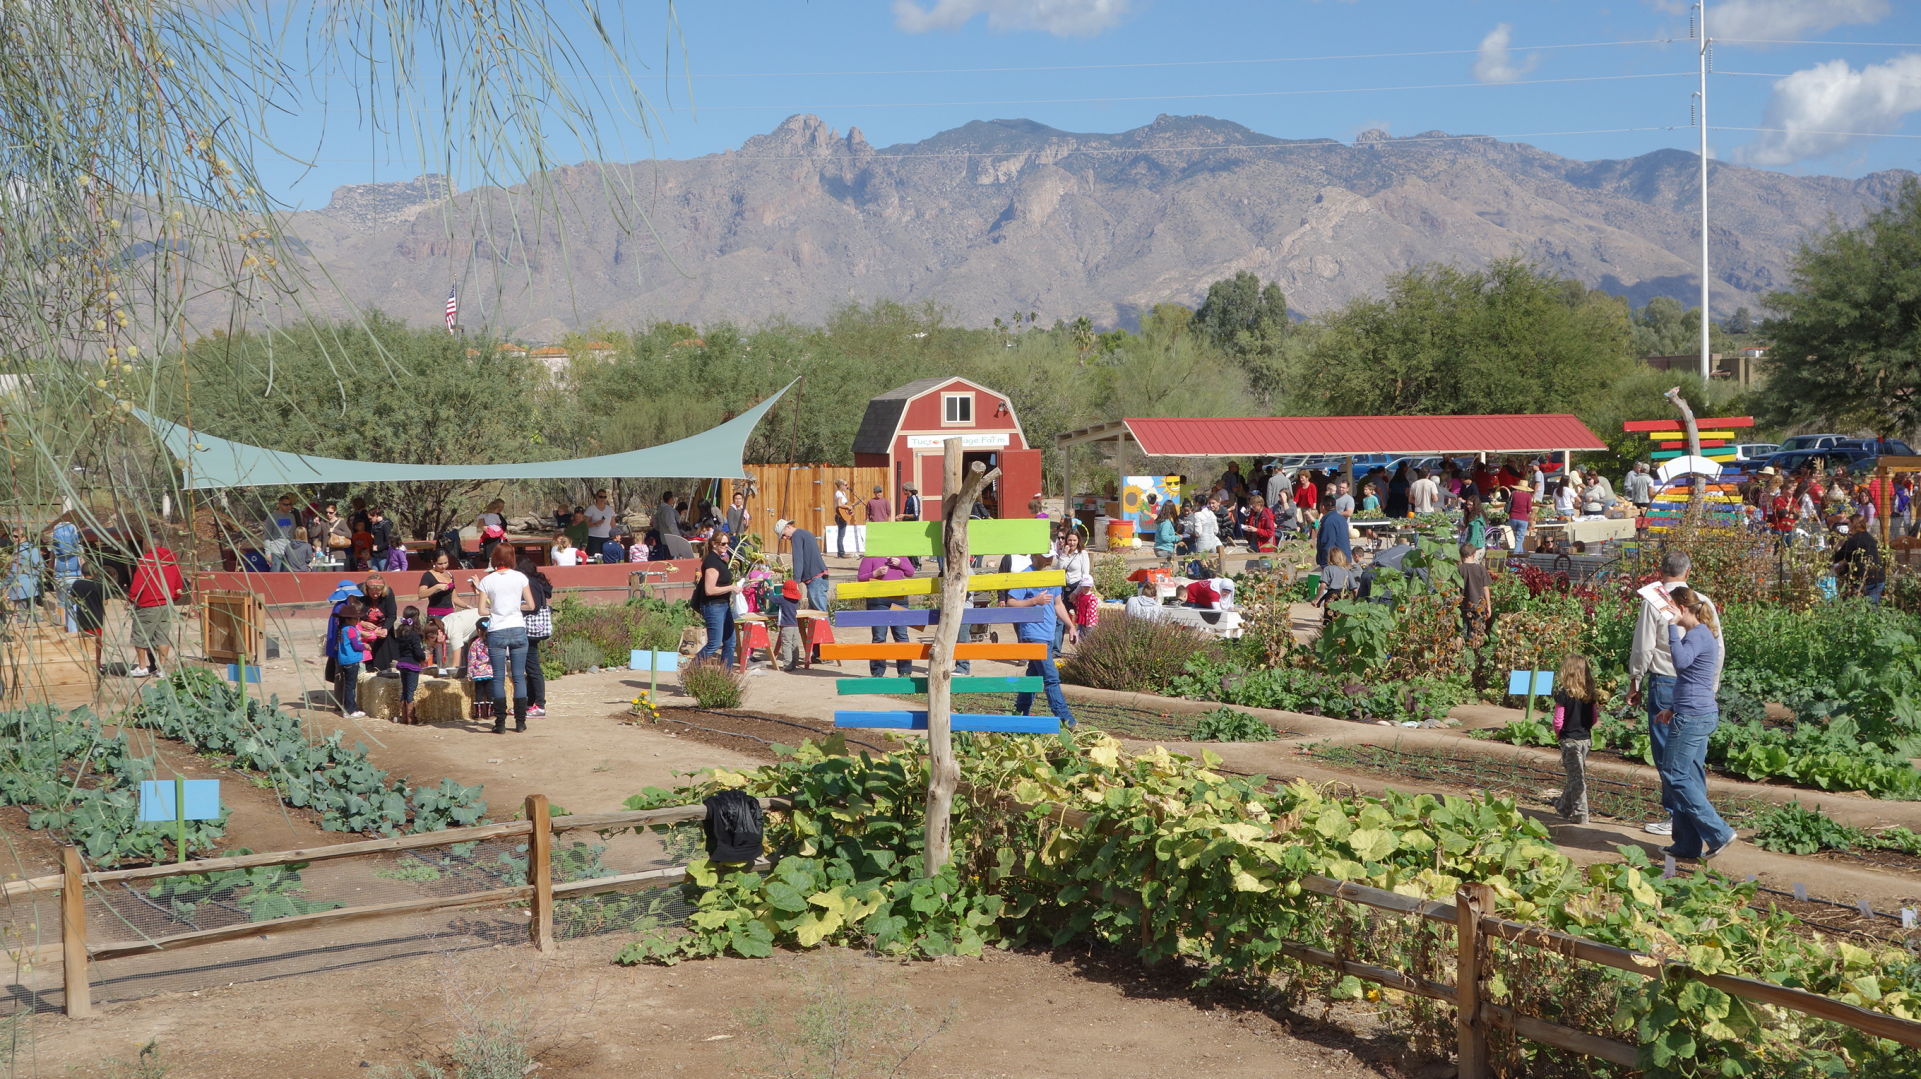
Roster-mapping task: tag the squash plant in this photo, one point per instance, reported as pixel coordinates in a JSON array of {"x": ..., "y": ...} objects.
[{"x": 1169, "y": 859}]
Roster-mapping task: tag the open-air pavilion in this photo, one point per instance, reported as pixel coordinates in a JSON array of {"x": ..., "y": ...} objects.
[{"x": 1338, "y": 436}]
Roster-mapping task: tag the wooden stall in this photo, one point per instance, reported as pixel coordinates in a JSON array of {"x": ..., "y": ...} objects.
[{"x": 232, "y": 623}]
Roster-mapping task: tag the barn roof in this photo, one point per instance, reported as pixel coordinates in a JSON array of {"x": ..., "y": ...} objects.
[{"x": 882, "y": 419}]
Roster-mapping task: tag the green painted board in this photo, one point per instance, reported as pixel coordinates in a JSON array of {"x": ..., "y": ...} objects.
[
  {"x": 1718, "y": 453},
  {"x": 921, "y": 539},
  {"x": 847, "y": 687}
]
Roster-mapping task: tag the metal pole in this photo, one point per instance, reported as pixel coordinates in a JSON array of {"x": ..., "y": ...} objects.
[{"x": 1701, "y": 24}]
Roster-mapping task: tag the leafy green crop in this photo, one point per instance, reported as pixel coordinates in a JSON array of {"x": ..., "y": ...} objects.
[
  {"x": 338, "y": 782},
  {"x": 1231, "y": 725},
  {"x": 84, "y": 785}
]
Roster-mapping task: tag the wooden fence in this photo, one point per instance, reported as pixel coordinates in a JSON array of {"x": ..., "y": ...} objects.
[
  {"x": 539, "y": 891},
  {"x": 1474, "y": 927},
  {"x": 804, "y": 494}
]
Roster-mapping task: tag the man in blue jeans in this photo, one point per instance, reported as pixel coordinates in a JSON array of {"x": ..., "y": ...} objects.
[
  {"x": 1651, "y": 663},
  {"x": 1042, "y": 632}
]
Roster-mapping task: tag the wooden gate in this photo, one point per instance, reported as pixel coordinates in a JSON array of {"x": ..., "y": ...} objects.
[{"x": 804, "y": 494}]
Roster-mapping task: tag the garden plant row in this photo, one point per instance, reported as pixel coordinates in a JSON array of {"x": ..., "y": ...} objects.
[{"x": 1174, "y": 860}]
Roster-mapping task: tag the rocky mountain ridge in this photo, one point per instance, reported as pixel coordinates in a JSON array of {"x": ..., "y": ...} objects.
[{"x": 1004, "y": 215}]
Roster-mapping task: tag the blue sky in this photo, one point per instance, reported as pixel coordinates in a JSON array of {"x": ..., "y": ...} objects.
[{"x": 1837, "y": 83}]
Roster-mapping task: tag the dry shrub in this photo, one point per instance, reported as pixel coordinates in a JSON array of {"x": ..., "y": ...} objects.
[
  {"x": 712, "y": 685},
  {"x": 1734, "y": 565},
  {"x": 1138, "y": 655}
]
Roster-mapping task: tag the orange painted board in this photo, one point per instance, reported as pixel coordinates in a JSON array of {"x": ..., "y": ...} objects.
[{"x": 894, "y": 650}]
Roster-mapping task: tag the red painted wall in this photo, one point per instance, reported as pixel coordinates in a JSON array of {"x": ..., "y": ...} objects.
[
  {"x": 313, "y": 588},
  {"x": 1020, "y": 481},
  {"x": 923, "y": 416}
]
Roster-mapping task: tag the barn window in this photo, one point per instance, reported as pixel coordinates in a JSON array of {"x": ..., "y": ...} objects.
[{"x": 957, "y": 408}]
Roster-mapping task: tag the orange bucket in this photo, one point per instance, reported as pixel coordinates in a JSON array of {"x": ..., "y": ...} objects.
[{"x": 1120, "y": 534}]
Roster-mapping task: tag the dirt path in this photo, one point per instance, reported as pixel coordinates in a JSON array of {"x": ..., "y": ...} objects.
[{"x": 1016, "y": 1016}]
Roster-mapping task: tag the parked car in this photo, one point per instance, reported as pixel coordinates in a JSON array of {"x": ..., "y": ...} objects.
[
  {"x": 1754, "y": 451},
  {"x": 1787, "y": 461},
  {"x": 1878, "y": 446},
  {"x": 1811, "y": 442}
]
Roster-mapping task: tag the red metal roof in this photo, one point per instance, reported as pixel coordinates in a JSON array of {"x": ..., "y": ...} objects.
[{"x": 1255, "y": 436}]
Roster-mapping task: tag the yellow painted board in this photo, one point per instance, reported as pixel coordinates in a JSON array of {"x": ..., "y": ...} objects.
[
  {"x": 921, "y": 539},
  {"x": 927, "y": 586},
  {"x": 1681, "y": 436}
]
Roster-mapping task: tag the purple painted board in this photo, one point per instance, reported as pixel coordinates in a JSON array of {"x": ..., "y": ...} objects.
[
  {"x": 917, "y": 721},
  {"x": 926, "y": 616}
]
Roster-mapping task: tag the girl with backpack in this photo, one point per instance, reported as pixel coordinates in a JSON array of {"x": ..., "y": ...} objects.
[{"x": 349, "y": 654}]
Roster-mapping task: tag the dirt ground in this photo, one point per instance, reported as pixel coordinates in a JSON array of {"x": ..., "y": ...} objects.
[{"x": 1007, "y": 1015}]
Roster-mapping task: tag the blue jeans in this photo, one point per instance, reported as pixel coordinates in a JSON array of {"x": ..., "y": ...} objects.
[
  {"x": 719, "y": 616},
  {"x": 1520, "y": 534},
  {"x": 1684, "y": 774},
  {"x": 817, "y": 594},
  {"x": 1659, "y": 697},
  {"x": 1050, "y": 677},
  {"x": 507, "y": 651},
  {"x": 347, "y": 687},
  {"x": 875, "y": 667}
]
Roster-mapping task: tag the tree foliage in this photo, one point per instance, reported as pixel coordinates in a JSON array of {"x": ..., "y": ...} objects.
[
  {"x": 370, "y": 390},
  {"x": 1507, "y": 338},
  {"x": 1248, "y": 321},
  {"x": 1847, "y": 337}
]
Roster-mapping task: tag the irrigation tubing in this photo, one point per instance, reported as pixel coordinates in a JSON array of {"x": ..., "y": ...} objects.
[{"x": 759, "y": 719}]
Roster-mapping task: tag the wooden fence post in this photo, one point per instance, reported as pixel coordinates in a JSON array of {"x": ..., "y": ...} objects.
[
  {"x": 1470, "y": 902},
  {"x": 540, "y": 873},
  {"x": 73, "y": 935}
]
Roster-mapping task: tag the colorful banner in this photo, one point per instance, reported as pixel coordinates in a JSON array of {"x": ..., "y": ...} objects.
[{"x": 1134, "y": 492}]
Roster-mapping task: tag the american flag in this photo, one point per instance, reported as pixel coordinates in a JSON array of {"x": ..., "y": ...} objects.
[{"x": 453, "y": 306}]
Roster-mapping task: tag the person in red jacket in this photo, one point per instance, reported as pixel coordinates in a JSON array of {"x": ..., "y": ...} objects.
[{"x": 156, "y": 588}]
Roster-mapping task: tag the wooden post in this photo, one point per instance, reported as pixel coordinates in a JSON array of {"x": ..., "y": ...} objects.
[
  {"x": 73, "y": 935},
  {"x": 540, "y": 873},
  {"x": 1470, "y": 902},
  {"x": 943, "y": 771},
  {"x": 1697, "y": 493}
]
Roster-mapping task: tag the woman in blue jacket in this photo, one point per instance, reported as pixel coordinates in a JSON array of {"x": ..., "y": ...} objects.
[{"x": 1694, "y": 639}]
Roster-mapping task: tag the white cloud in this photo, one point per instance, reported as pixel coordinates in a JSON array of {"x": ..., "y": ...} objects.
[
  {"x": 1496, "y": 63},
  {"x": 1781, "y": 19},
  {"x": 1063, "y": 18},
  {"x": 1811, "y": 108}
]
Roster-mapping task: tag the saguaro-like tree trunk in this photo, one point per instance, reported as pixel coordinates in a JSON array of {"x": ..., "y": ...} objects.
[
  {"x": 1697, "y": 493},
  {"x": 943, "y": 771}
]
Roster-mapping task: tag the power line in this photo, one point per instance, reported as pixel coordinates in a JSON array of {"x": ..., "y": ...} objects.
[
  {"x": 1789, "y": 41},
  {"x": 1159, "y": 63},
  {"x": 1819, "y": 131},
  {"x": 791, "y": 107}
]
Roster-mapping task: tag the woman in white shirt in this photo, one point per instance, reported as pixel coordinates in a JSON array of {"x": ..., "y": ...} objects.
[
  {"x": 564, "y": 553},
  {"x": 1207, "y": 528},
  {"x": 505, "y": 598},
  {"x": 492, "y": 527},
  {"x": 1072, "y": 560},
  {"x": 1564, "y": 498}
]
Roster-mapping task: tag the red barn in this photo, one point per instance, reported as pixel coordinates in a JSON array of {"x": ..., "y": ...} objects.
[{"x": 904, "y": 429}]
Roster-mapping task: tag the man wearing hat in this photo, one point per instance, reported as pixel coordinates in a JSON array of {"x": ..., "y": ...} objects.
[
  {"x": 910, "y": 502},
  {"x": 1042, "y": 632},
  {"x": 809, "y": 568}
]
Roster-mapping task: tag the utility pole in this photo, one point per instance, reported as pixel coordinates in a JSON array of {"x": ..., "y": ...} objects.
[{"x": 1701, "y": 118}]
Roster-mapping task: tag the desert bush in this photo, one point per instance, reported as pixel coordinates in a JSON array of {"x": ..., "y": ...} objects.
[
  {"x": 1139, "y": 655},
  {"x": 566, "y": 655},
  {"x": 712, "y": 685},
  {"x": 1110, "y": 577},
  {"x": 601, "y": 635}
]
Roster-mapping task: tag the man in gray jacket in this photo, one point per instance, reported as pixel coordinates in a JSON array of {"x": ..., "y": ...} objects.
[{"x": 1649, "y": 661}]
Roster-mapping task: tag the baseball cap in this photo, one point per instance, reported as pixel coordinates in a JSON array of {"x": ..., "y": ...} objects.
[{"x": 781, "y": 525}]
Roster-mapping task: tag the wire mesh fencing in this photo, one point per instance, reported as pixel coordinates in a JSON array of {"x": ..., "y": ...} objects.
[{"x": 197, "y": 925}]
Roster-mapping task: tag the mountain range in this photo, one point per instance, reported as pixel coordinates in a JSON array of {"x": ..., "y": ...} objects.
[{"x": 1001, "y": 216}]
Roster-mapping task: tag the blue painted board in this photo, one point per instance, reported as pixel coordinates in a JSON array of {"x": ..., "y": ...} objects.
[
  {"x": 962, "y": 721},
  {"x": 638, "y": 660},
  {"x": 156, "y": 800},
  {"x": 1517, "y": 682},
  {"x": 233, "y": 674},
  {"x": 927, "y": 616}
]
